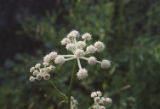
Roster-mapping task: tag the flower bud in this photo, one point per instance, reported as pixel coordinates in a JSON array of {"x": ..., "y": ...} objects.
[
  {"x": 87, "y": 36},
  {"x": 99, "y": 45},
  {"x": 105, "y": 64},
  {"x": 82, "y": 74},
  {"x": 59, "y": 60},
  {"x": 92, "y": 60},
  {"x": 31, "y": 79},
  {"x": 46, "y": 76},
  {"x": 91, "y": 49}
]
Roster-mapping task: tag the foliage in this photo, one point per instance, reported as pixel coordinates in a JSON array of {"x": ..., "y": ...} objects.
[{"x": 130, "y": 30}]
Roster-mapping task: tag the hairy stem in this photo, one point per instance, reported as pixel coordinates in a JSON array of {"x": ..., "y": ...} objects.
[{"x": 70, "y": 86}]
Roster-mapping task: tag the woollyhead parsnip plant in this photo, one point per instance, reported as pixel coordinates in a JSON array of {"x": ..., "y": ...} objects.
[{"x": 80, "y": 50}]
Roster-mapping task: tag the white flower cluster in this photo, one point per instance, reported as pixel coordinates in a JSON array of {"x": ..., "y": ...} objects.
[
  {"x": 80, "y": 50},
  {"x": 74, "y": 103},
  {"x": 99, "y": 100},
  {"x": 39, "y": 73}
]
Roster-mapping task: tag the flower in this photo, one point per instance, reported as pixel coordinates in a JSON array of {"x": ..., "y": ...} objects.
[
  {"x": 105, "y": 64},
  {"x": 70, "y": 46},
  {"x": 65, "y": 41},
  {"x": 81, "y": 44},
  {"x": 79, "y": 49},
  {"x": 99, "y": 45},
  {"x": 31, "y": 78},
  {"x": 32, "y": 69},
  {"x": 79, "y": 53},
  {"x": 91, "y": 49},
  {"x": 46, "y": 76},
  {"x": 108, "y": 100},
  {"x": 59, "y": 60},
  {"x": 50, "y": 57},
  {"x": 99, "y": 93},
  {"x": 99, "y": 100},
  {"x": 82, "y": 74},
  {"x": 92, "y": 60},
  {"x": 73, "y": 34},
  {"x": 93, "y": 94},
  {"x": 37, "y": 65},
  {"x": 87, "y": 36}
]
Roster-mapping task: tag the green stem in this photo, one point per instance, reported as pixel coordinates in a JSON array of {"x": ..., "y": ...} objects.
[
  {"x": 70, "y": 87},
  {"x": 59, "y": 92}
]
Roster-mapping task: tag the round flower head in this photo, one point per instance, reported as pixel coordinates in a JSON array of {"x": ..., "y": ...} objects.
[
  {"x": 32, "y": 69},
  {"x": 82, "y": 74},
  {"x": 73, "y": 34},
  {"x": 92, "y": 60},
  {"x": 51, "y": 67},
  {"x": 108, "y": 100},
  {"x": 39, "y": 76},
  {"x": 37, "y": 65},
  {"x": 105, "y": 64},
  {"x": 99, "y": 93},
  {"x": 87, "y": 36},
  {"x": 96, "y": 99},
  {"x": 65, "y": 41},
  {"x": 35, "y": 72},
  {"x": 70, "y": 46},
  {"x": 79, "y": 53},
  {"x": 103, "y": 100},
  {"x": 102, "y": 107},
  {"x": 46, "y": 76},
  {"x": 51, "y": 56},
  {"x": 31, "y": 79},
  {"x": 99, "y": 45},
  {"x": 91, "y": 49},
  {"x": 59, "y": 60},
  {"x": 93, "y": 94},
  {"x": 81, "y": 44}
]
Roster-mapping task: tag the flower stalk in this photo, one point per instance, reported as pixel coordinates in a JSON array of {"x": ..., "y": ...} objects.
[{"x": 70, "y": 86}]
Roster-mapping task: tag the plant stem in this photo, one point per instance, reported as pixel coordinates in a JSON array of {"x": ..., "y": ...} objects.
[
  {"x": 59, "y": 92},
  {"x": 70, "y": 86}
]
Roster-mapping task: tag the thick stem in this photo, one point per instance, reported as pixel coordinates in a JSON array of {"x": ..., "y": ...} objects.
[{"x": 70, "y": 86}]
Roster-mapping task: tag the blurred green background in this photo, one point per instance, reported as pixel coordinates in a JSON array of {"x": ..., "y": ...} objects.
[{"x": 130, "y": 29}]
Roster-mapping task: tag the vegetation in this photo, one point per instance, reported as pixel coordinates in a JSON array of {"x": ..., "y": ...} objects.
[{"x": 130, "y": 31}]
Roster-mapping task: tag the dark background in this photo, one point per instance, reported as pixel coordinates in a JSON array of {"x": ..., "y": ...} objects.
[{"x": 130, "y": 29}]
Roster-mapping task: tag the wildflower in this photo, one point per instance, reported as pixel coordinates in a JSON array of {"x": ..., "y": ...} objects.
[
  {"x": 37, "y": 65},
  {"x": 93, "y": 94},
  {"x": 39, "y": 76},
  {"x": 31, "y": 78},
  {"x": 92, "y": 60},
  {"x": 59, "y": 60},
  {"x": 91, "y": 49},
  {"x": 99, "y": 100},
  {"x": 105, "y": 64},
  {"x": 50, "y": 57},
  {"x": 70, "y": 46},
  {"x": 73, "y": 34},
  {"x": 108, "y": 100},
  {"x": 82, "y": 74},
  {"x": 81, "y": 44},
  {"x": 99, "y": 93},
  {"x": 100, "y": 46},
  {"x": 65, "y": 41},
  {"x": 46, "y": 76},
  {"x": 32, "y": 69},
  {"x": 79, "y": 51},
  {"x": 87, "y": 36}
]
